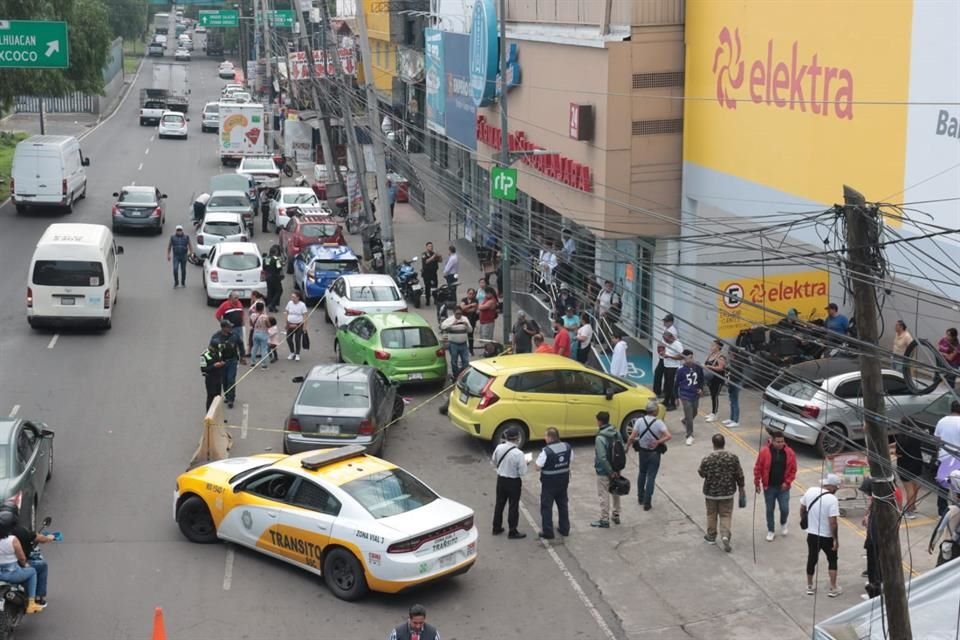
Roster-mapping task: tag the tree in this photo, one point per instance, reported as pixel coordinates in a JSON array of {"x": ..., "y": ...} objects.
[
  {"x": 89, "y": 38},
  {"x": 128, "y": 18}
]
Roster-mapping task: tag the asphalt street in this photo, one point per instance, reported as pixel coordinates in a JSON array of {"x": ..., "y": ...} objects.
[{"x": 127, "y": 405}]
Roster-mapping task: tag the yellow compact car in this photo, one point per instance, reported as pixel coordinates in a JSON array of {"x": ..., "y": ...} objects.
[
  {"x": 360, "y": 522},
  {"x": 533, "y": 391}
]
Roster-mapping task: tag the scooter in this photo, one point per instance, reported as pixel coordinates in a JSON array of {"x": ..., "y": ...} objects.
[
  {"x": 409, "y": 282},
  {"x": 445, "y": 297},
  {"x": 13, "y": 597},
  {"x": 378, "y": 263}
]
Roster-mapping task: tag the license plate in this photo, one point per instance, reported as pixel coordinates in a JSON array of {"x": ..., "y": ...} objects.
[
  {"x": 775, "y": 424},
  {"x": 328, "y": 430},
  {"x": 68, "y": 300},
  {"x": 463, "y": 397},
  {"x": 448, "y": 560},
  {"x": 414, "y": 376}
]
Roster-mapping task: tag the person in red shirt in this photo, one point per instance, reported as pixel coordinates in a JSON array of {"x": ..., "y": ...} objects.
[
  {"x": 561, "y": 340},
  {"x": 540, "y": 345},
  {"x": 773, "y": 473},
  {"x": 487, "y": 315},
  {"x": 232, "y": 310}
]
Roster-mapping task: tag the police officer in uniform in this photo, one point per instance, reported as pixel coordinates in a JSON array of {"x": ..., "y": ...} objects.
[
  {"x": 554, "y": 464},
  {"x": 273, "y": 265},
  {"x": 416, "y": 627},
  {"x": 211, "y": 365},
  {"x": 231, "y": 351}
]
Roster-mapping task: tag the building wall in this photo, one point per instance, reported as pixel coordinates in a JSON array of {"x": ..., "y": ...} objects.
[
  {"x": 591, "y": 12},
  {"x": 383, "y": 50}
]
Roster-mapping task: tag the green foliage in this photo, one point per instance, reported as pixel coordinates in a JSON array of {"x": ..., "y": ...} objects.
[
  {"x": 89, "y": 36},
  {"x": 128, "y": 18}
]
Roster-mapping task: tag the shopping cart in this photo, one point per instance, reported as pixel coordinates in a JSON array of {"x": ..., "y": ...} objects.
[{"x": 852, "y": 469}]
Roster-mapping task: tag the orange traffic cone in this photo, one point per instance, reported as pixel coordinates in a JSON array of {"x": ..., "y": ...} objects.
[{"x": 158, "y": 631}]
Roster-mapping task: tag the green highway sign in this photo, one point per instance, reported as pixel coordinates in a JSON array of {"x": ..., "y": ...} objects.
[
  {"x": 280, "y": 17},
  {"x": 503, "y": 183},
  {"x": 220, "y": 18},
  {"x": 29, "y": 44}
]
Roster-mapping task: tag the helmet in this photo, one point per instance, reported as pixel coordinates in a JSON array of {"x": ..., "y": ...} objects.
[
  {"x": 8, "y": 520},
  {"x": 11, "y": 506},
  {"x": 954, "y": 480}
]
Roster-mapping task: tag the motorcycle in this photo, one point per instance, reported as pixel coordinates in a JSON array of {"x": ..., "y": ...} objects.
[
  {"x": 377, "y": 260},
  {"x": 409, "y": 282},
  {"x": 445, "y": 297},
  {"x": 13, "y": 597}
]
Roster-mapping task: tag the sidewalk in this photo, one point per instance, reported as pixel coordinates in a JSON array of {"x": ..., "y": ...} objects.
[{"x": 655, "y": 571}]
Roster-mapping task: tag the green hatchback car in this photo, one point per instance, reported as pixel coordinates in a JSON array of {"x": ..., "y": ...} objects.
[{"x": 402, "y": 346}]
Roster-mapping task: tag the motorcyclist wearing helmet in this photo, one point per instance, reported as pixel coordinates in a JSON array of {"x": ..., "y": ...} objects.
[
  {"x": 14, "y": 568},
  {"x": 946, "y": 535}
]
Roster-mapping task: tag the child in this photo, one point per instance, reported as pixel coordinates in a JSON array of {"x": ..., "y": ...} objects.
[{"x": 273, "y": 338}]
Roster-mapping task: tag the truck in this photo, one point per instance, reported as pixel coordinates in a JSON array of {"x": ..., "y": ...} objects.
[
  {"x": 174, "y": 78},
  {"x": 153, "y": 102},
  {"x": 214, "y": 43},
  {"x": 241, "y": 131}
]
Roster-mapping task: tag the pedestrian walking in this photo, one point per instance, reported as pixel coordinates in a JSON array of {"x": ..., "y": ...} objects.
[
  {"x": 178, "y": 248},
  {"x": 689, "y": 388},
  {"x": 714, "y": 366},
  {"x": 211, "y": 366},
  {"x": 416, "y": 627},
  {"x": 273, "y": 338},
  {"x": 604, "y": 300},
  {"x": 910, "y": 469},
  {"x": 273, "y": 265},
  {"x": 296, "y": 319},
  {"x": 233, "y": 312},
  {"x": 583, "y": 339},
  {"x": 722, "y": 480},
  {"x": 734, "y": 383},
  {"x": 671, "y": 354},
  {"x": 561, "y": 340},
  {"x": 456, "y": 331},
  {"x": 609, "y": 459},
  {"x": 540, "y": 344},
  {"x": 554, "y": 464},
  {"x": 773, "y": 475},
  {"x": 618, "y": 360},
  {"x": 948, "y": 431},
  {"x": 260, "y": 329},
  {"x": 659, "y": 372},
  {"x": 648, "y": 437},
  {"x": 546, "y": 265},
  {"x": 819, "y": 515},
  {"x": 452, "y": 266},
  {"x": 487, "y": 312},
  {"x": 511, "y": 466},
  {"x": 566, "y": 303},
  {"x": 430, "y": 265},
  {"x": 233, "y": 355},
  {"x": 571, "y": 323},
  {"x": 523, "y": 331},
  {"x": 946, "y": 534},
  {"x": 391, "y": 196}
]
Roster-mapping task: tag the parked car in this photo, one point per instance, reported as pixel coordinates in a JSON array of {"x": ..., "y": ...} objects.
[
  {"x": 303, "y": 231},
  {"x": 359, "y": 293},
  {"x": 262, "y": 169},
  {"x": 26, "y": 465},
  {"x": 820, "y": 402},
  {"x": 402, "y": 346},
  {"x": 173, "y": 124},
  {"x": 139, "y": 207},
  {"x": 318, "y": 265},
  {"x": 285, "y": 198},
  {"x": 226, "y": 70},
  {"x": 219, "y": 227},
  {"x": 210, "y": 119},
  {"x": 233, "y": 266},
  {"x": 232, "y": 201}
]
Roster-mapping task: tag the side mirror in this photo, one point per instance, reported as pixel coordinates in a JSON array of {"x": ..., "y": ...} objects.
[
  {"x": 46, "y": 522},
  {"x": 119, "y": 251},
  {"x": 46, "y": 433},
  {"x": 187, "y": 119},
  {"x": 85, "y": 162},
  {"x": 297, "y": 379},
  {"x": 608, "y": 395},
  {"x": 116, "y": 195},
  {"x": 163, "y": 196}
]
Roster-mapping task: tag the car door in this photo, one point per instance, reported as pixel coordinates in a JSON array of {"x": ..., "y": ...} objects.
[
  {"x": 254, "y": 521},
  {"x": 898, "y": 398},
  {"x": 585, "y": 395},
  {"x": 30, "y": 473},
  {"x": 332, "y": 300},
  {"x": 349, "y": 335},
  {"x": 287, "y": 235},
  {"x": 306, "y": 523},
  {"x": 847, "y": 407},
  {"x": 382, "y": 401},
  {"x": 539, "y": 399},
  {"x": 38, "y": 458}
]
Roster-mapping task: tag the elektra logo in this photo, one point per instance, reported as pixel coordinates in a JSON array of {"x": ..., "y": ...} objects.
[{"x": 782, "y": 81}]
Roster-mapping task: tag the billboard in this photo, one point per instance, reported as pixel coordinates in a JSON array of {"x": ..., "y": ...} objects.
[
  {"x": 435, "y": 80},
  {"x": 746, "y": 302},
  {"x": 460, "y": 111},
  {"x": 322, "y": 66}
]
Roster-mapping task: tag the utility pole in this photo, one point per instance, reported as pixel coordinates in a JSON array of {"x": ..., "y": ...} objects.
[
  {"x": 265, "y": 8},
  {"x": 379, "y": 153},
  {"x": 507, "y": 284},
  {"x": 330, "y": 159},
  {"x": 863, "y": 236}
]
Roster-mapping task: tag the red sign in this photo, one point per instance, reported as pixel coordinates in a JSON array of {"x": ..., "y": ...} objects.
[
  {"x": 552, "y": 165},
  {"x": 299, "y": 70}
]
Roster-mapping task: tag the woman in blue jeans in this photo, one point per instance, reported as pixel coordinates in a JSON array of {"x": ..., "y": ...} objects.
[
  {"x": 15, "y": 570},
  {"x": 734, "y": 382}
]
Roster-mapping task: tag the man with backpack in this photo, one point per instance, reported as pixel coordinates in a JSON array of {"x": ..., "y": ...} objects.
[
  {"x": 610, "y": 457},
  {"x": 649, "y": 437}
]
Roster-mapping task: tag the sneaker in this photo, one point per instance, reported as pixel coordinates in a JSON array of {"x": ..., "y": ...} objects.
[
  {"x": 600, "y": 524},
  {"x": 497, "y": 531},
  {"x": 726, "y": 423},
  {"x": 616, "y": 518},
  {"x": 689, "y": 440},
  {"x": 516, "y": 535},
  {"x": 770, "y": 536},
  {"x": 834, "y": 591},
  {"x": 910, "y": 515},
  {"x": 733, "y": 424},
  {"x": 710, "y": 417},
  {"x": 709, "y": 540},
  {"x": 264, "y": 366},
  {"x": 726, "y": 544},
  {"x": 784, "y": 530},
  {"x": 33, "y": 607},
  {"x": 811, "y": 590},
  {"x": 297, "y": 357},
  {"x": 544, "y": 536},
  {"x": 291, "y": 356}
]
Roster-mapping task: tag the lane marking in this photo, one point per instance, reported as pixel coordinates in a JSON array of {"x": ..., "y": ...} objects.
[
  {"x": 53, "y": 341},
  {"x": 147, "y": 151},
  {"x": 140, "y": 168},
  {"x": 14, "y": 411},
  {"x": 228, "y": 570},
  {"x": 133, "y": 183},
  {"x": 584, "y": 598},
  {"x": 151, "y": 137},
  {"x": 244, "y": 421}
]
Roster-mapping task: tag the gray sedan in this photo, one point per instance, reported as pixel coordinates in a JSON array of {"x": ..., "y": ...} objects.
[
  {"x": 139, "y": 207},
  {"x": 232, "y": 201},
  {"x": 26, "y": 464},
  {"x": 341, "y": 404}
]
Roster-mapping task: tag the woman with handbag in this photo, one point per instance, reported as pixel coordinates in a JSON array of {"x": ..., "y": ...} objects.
[{"x": 714, "y": 370}]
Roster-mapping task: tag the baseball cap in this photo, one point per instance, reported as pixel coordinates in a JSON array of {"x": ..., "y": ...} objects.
[
  {"x": 833, "y": 305},
  {"x": 832, "y": 480},
  {"x": 179, "y": 227}
]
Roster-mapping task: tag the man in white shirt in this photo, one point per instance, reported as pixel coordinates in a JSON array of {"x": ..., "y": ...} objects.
[
  {"x": 511, "y": 465},
  {"x": 547, "y": 264},
  {"x": 452, "y": 266},
  {"x": 456, "y": 330},
  {"x": 671, "y": 355},
  {"x": 605, "y": 299},
  {"x": 584, "y": 339},
  {"x": 820, "y": 507},
  {"x": 947, "y": 430},
  {"x": 668, "y": 325},
  {"x": 618, "y": 361}
]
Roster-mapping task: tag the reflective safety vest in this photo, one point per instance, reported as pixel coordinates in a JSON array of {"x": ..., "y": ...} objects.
[{"x": 558, "y": 460}]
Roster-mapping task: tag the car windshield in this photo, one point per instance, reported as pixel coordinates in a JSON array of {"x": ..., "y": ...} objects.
[
  {"x": 374, "y": 293},
  {"x": 318, "y": 230},
  {"x": 334, "y": 394},
  {"x": 341, "y": 266},
  {"x": 225, "y": 202},
  {"x": 238, "y": 261},
  {"x": 68, "y": 273},
  {"x": 212, "y": 108},
  {"x": 171, "y": 119},
  {"x": 389, "y": 493},
  {"x": 222, "y": 228},
  {"x": 136, "y": 197},
  {"x": 789, "y": 385},
  {"x": 258, "y": 164},
  {"x": 302, "y": 197},
  {"x": 408, "y": 338}
]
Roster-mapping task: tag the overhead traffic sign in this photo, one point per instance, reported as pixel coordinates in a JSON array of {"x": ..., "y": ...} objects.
[
  {"x": 31, "y": 44},
  {"x": 279, "y": 17},
  {"x": 220, "y": 18}
]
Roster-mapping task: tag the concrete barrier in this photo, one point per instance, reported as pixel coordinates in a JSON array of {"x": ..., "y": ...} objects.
[{"x": 215, "y": 440}]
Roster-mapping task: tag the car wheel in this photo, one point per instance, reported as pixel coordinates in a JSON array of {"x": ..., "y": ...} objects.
[
  {"x": 21, "y": 208},
  {"x": 83, "y": 194},
  {"x": 69, "y": 207},
  {"x": 832, "y": 439},
  {"x": 211, "y": 302},
  {"x": 142, "y": 122},
  {"x": 625, "y": 426},
  {"x": 344, "y": 575},
  {"x": 500, "y": 434},
  {"x": 195, "y": 521},
  {"x": 397, "y": 408},
  {"x": 336, "y": 351}
]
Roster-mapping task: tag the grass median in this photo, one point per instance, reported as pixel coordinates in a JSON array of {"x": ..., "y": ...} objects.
[
  {"x": 132, "y": 53},
  {"x": 8, "y": 142}
]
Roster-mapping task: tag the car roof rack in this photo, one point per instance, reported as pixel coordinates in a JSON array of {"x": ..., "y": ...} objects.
[{"x": 313, "y": 463}]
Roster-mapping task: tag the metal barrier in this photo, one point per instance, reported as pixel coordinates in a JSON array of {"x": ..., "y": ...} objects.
[{"x": 72, "y": 103}]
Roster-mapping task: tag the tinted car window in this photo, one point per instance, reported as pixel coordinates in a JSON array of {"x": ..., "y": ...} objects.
[
  {"x": 389, "y": 493},
  {"x": 238, "y": 262},
  {"x": 311, "y": 496},
  {"x": 372, "y": 293},
  {"x": 408, "y": 338},
  {"x": 535, "y": 382},
  {"x": 300, "y": 198},
  {"x": 222, "y": 228},
  {"x": 334, "y": 394},
  {"x": 273, "y": 485},
  {"x": 68, "y": 273},
  {"x": 173, "y": 119},
  {"x": 582, "y": 383},
  {"x": 363, "y": 328},
  {"x": 212, "y": 108},
  {"x": 223, "y": 202},
  {"x": 849, "y": 389},
  {"x": 136, "y": 197},
  {"x": 318, "y": 230},
  {"x": 895, "y": 386},
  {"x": 335, "y": 265}
]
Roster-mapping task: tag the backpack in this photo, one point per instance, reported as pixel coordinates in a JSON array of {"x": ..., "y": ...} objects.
[{"x": 616, "y": 453}]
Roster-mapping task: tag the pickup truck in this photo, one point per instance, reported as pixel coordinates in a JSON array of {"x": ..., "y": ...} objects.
[{"x": 153, "y": 102}]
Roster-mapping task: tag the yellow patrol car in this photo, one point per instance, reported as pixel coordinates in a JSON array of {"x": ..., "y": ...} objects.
[{"x": 359, "y": 521}]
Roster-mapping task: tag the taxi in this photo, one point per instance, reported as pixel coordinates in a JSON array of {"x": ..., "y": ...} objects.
[
  {"x": 318, "y": 265},
  {"x": 358, "y": 521}
]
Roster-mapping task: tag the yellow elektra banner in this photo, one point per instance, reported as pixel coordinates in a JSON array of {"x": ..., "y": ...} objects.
[
  {"x": 801, "y": 96},
  {"x": 747, "y": 302}
]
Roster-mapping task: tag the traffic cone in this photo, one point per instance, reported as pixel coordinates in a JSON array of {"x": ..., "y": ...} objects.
[{"x": 158, "y": 631}]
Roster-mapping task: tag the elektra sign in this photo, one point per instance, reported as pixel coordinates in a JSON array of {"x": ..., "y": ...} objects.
[{"x": 483, "y": 53}]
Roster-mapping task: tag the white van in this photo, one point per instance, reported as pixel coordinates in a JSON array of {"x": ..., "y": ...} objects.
[
  {"x": 48, "y": 171},
  {"x": 73, "y": 276}
]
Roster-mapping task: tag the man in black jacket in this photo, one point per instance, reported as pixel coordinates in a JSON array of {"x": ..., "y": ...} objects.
[
  {"x": 211, "y": 365},
  {"x": 416, "y": 627}
]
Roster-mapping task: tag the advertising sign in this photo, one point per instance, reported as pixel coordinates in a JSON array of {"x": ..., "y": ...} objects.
[
  {"x": 300, "y": 70},
  {"x": 808, "y": 292},
  {"x": 484, "y": 53},
  {"x": 298, "y": 141},
  {"x": 436, "y": 85},
  {"x": 460, "y": 112}
]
